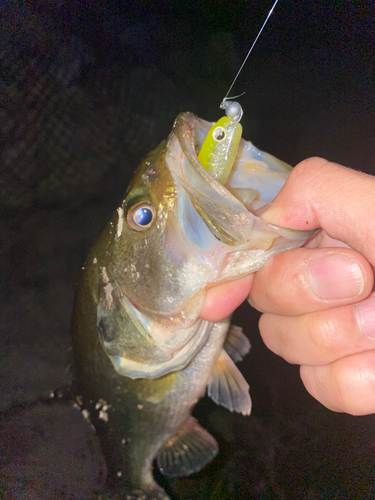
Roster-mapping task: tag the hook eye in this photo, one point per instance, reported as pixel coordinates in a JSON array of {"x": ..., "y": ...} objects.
[{"x": 140, "y": 216}]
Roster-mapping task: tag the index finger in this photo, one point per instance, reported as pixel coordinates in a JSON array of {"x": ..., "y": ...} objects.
[{"x": 319, "y": 193}]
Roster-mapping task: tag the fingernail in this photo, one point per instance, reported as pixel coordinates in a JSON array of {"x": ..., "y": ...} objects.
[
  {"x": 366, "y": 316},
  {"x": 336, "y": 276}
]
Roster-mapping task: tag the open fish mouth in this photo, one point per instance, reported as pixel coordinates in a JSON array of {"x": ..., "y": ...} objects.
[{"x": 232, "y": 211}]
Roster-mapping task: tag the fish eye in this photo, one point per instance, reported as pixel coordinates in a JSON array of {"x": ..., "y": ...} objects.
[
  {"x": 140, "y": 216},
  {"x": 218, "y": 134}
]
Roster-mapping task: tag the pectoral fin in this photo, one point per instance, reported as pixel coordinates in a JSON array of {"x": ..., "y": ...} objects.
[
  {"x": 188, "y": 451},
  {"x": 236, "y": 344},
  {"x": 227, "y": 387}
]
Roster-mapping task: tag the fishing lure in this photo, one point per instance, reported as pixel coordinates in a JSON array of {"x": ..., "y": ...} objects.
[{"x": 220, "y": 147}]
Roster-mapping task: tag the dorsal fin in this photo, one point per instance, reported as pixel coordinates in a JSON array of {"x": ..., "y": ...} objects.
[
  {"x": 188, "y": 451},
  {"x": 228, "y": 387}
]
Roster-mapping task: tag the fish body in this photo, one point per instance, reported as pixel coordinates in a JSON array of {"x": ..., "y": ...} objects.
[{"x": 142, "y": 355}]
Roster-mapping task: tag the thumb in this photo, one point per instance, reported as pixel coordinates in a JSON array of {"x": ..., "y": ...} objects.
[{"x": 322, "y": 194}]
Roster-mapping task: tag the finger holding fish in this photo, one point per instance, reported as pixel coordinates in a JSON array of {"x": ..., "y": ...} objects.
[
  {"x": 305, "y": 280},
  {"x": 334, "y": 344},
  {"x": 311, "y": 319},
  {"x": 291, "y": 272},
  {"x": 320, "y": 193},
  {"x": 317, "y": 338},
  {"x": 318, "y": 308},
  {"x": 222, "y": 300}
]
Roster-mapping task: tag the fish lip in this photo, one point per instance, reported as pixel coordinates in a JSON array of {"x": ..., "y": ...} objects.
[
  {"x": 240, "y": 225},
  {"x": 227, "y": 218},
  {"x": 191, "y": 132}
]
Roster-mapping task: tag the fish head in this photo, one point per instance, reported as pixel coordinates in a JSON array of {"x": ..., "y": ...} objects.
[{"x": 177, "y": 232}]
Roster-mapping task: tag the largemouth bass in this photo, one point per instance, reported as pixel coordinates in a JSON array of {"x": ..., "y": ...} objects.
[{"x": 142, "y": 355}]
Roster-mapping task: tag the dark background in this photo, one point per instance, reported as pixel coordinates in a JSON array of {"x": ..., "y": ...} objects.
[{"x": 87, "y": 89}]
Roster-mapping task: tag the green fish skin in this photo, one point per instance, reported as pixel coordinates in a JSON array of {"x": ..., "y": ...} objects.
[{"x": 142, "y": 355}]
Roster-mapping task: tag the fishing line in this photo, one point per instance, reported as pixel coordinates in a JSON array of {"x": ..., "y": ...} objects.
[{"x": 222, "y": 106}]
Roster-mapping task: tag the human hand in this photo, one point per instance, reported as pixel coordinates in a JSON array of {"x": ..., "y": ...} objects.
[{"x": 318, "y": 308}]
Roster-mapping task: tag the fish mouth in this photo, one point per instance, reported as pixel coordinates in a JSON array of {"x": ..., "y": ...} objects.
[{"x": 231, "y": 211}]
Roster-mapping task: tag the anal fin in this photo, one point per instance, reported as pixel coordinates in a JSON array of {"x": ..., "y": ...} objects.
[
  {"x": 236, "y": 344},
  {"x": 188, "y": 451},
  {"x": 228, "y": 387}
]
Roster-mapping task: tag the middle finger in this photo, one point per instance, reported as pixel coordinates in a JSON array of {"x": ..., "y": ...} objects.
[{"x": 317, "y": 338}]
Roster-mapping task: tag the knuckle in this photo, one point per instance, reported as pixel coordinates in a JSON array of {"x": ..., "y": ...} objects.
[
  {"x": 313, "y": 174},
  {"x": 317, "y": 383},
  {"x": 287, "y": 277},
  {"x": 308, "y": 168},
  {"x": 323, "y": 333},
  {"x": 274, "y": 336},
  {"x": 332, "y": 333},
  {"x": 279, "y": 337}
]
